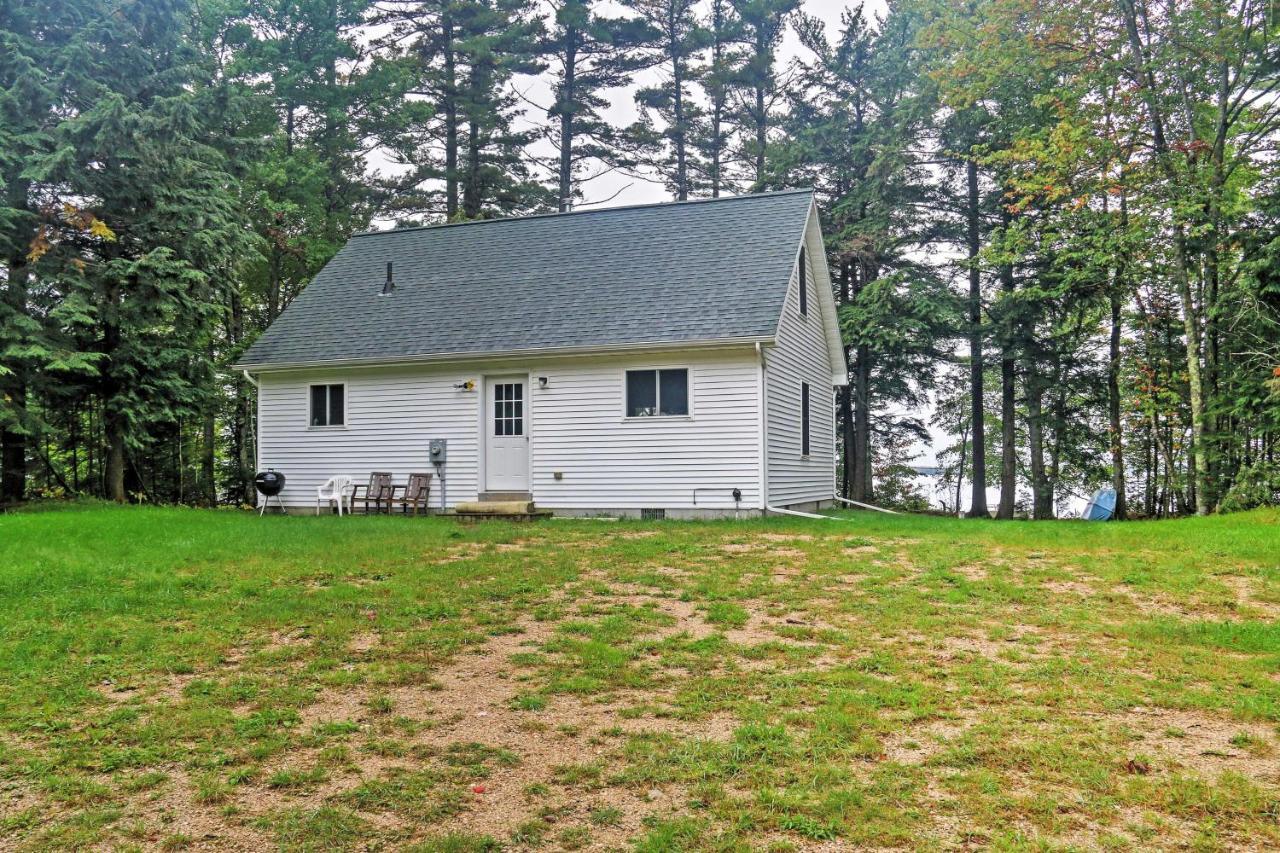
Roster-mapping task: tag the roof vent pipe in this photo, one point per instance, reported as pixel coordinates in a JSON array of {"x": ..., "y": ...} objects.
[{"x": 390, "y": 285}]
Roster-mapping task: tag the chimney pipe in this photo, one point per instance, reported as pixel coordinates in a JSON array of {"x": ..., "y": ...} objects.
[{"x": 390, "y": 285}]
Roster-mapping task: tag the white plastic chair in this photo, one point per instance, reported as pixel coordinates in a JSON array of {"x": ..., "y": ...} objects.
[{"x": 335, "y": 488}]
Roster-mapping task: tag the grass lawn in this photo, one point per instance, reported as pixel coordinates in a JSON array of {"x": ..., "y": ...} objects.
[{"x": 174, "y": 679}]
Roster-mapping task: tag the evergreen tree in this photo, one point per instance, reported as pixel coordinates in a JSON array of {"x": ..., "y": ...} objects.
[
  {"x": 499, "y": 39},
  {"x": 711, "y": 138},
  {"x": 848, "y": 134},
  {"x": 308, "y": 191},
  {"x": 33, "y": 44},
  {"x": 670, "y": 149},
  {"x": 760, "y": 26},
  {"x": 143, "y": 211},
  {"x": 589, "y": 52}
]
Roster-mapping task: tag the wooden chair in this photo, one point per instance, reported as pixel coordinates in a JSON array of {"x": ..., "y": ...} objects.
[
  {"x": 378, "y": 492},
  {"x": 416, "y": 493}
]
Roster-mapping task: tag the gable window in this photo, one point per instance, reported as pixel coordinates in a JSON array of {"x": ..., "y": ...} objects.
[
  {"x": 804, "y": 287},
  {"x": 660, "y": 393},
  {"x": 804, "y": 418},
  {"x": 328, "y": 405}
]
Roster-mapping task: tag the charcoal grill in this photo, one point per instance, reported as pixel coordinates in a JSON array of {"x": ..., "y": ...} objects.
[{"x": 269, "y": 483}]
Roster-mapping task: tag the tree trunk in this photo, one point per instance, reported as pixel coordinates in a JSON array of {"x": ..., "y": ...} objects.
[
  {"x": 450, "y": 98},
  {"x": 472, "y": 195},
  {"x": 274, "y": 275},
  {"x": 208, "y": 447},
  {"x": 13, "y": 438},
  {"x": 847, "y": 392},
  {"x": 763, "y": 55},
  {"x": 978, "y": 507},
  {"x": 862, "y": 480},
  {"x": 13, "y": 447},
  {"x": 114, "y": 424},
  {"x": 1181, "y": 269},
  {"x": 1191, "y": 330},
  {"x": 1113, "y": 409},
  {"x": 567, "y": 97},
  {"x": 1008, "y": 400},
  {"x": 1059, "y": 410},
  {"x": 762, "y": 133},
  {"x": 1041, "y": 496},
  {"x": 113, "y": 419},
  {"x": 718, "y": 93},
  {"x": 679, "y": 130}
]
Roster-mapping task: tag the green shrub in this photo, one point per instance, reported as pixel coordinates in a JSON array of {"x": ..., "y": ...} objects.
[{"x": 1258, "y": 485}]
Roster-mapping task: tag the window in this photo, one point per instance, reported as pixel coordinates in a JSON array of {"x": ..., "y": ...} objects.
[
  {"x": 664, "y": 393},
  {"x": 508, "y": 408},
  {"x": 804, "y": 287},
  {"x": 804, "y": 418},
  {"x": 328, "y": 405}
]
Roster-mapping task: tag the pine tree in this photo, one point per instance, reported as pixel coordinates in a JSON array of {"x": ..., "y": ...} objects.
[
  {"x": 498, "y": 39},
  {"x": 761, "y": 24},
  {"x": 848, "y": 131},
  {"x": 589, "y": 53},
  {"x": 711, "y": 139},
  {"x": 308, "y": 191},
  {"x": 670, "y": 150}
]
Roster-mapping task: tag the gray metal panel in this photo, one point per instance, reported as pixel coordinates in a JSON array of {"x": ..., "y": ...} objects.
[{"x": 690, "y": 271}]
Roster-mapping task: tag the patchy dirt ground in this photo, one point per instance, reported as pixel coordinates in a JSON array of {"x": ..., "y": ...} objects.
[{"x": 681, "y": 687}]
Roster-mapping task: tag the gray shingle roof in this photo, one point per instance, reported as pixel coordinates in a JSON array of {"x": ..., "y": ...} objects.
[{"x": 688, "y": 271}]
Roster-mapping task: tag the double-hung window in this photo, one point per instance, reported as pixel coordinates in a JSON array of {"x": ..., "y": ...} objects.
[
  {"x": 328, "y": 405},
  {"x": 657, "y": 393}
]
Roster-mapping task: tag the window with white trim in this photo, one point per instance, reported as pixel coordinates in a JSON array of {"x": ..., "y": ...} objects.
[
  {"x": 658, "y": 393},
  {"x": 328, "y": 405},
  {"x": 508, "y": 408}
]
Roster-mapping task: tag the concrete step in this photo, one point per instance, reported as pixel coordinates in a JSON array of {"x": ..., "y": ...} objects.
[
  {"x": 492, "y": 507},
  {"x": 499, "y": 511}
]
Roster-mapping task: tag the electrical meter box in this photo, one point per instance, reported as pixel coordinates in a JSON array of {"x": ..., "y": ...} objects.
[{"x": 438, "y": 450}]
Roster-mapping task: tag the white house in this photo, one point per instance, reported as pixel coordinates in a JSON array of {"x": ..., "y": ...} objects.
[{"x": 669, "y": 359}]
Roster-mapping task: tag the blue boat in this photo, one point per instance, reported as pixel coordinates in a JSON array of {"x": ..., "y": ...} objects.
[{"x": 1101, "y": 506}]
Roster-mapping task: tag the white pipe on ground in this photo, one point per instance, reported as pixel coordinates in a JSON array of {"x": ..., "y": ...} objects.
[
  {"x": 800, "y": 514},
  {"x": 865, "y": 506}
]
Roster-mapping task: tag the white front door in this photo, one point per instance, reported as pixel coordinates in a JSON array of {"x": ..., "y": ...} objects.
[{"x": 506, "y": 430}]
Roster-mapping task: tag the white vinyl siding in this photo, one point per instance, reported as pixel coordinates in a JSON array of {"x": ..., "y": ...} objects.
[
  {"x": 610, "y": 461},
  {"x": 576, "y": 427},
  {"x": 800, "y": 356},
  {"x": 391, "y": 414}
]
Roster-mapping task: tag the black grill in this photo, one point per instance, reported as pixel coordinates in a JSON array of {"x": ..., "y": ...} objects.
[{"x": 269, "y": 482}]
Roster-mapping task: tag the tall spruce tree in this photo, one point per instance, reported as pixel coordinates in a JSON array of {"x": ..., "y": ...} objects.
[
  {"x": 142, "y": 209},
  {"x": 34, "y": 45},
  {"x": 308, "y": 191},
  {"x": 498, "y": 39}
]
